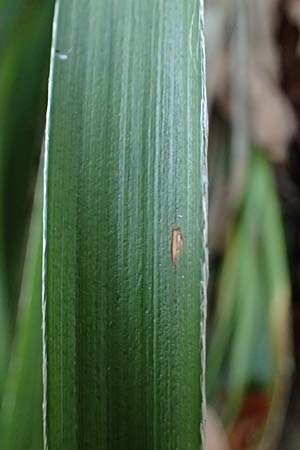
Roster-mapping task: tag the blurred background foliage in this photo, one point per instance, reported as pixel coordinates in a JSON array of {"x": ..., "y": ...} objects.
[
  {"x": 253, "y": 86},
  {"x": 253, "y": 83},
  {"x": 25, "y": 35}
]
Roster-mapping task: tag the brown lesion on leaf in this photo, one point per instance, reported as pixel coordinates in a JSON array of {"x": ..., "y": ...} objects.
[{"x": 177, "y": 244}]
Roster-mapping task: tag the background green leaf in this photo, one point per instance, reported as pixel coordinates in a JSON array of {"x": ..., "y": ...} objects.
[{"x": 21, "y": 410}]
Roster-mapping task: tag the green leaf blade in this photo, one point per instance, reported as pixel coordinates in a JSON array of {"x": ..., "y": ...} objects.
[{"x": 125, "y": 177}]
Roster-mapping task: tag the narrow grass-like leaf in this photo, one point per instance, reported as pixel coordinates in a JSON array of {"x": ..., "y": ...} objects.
[
  {"x": 125, "y": 226},
  {"x": 222, "y": 326},
  {"x": 251, "y": 316},
  {"x": 279, "y": 311},
  {"x": 24, "y": 41},
  {"x": 21, "y": 410},
  {"x": 23, "y": 78},
  {"x": 248, "y": 299}
]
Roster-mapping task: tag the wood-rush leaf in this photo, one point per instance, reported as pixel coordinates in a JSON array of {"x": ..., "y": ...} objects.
[{"x": 124, "y": 305}]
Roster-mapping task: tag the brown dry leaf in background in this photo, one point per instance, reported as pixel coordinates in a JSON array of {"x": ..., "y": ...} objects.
[
  {"x": 217, "y": 15},
  {"x": 293, "y": 11},
  {"x": 273, "y": 121},
  {"x": 271, "y": 116}
]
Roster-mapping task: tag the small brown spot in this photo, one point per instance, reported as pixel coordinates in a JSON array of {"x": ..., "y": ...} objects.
[{"x": 177, "y": 244}]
